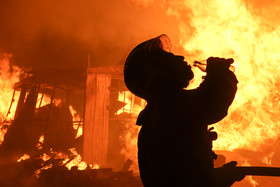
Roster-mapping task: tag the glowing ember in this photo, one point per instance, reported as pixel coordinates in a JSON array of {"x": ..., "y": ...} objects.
[
  {"x": 77, "y": 161},
  {"x": 41, "y": 141},
  {"x": 74, "y": 160},
  {"x": 23, "y": 157},
  {"x": 45, "y": 157},
  {"x": 3, "y": 131},
  {"x": 42, "y": 138},
  {"x": 37, "y": 172}
]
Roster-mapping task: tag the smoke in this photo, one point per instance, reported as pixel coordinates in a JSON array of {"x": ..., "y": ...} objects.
[{"x": 48, "y": 34}]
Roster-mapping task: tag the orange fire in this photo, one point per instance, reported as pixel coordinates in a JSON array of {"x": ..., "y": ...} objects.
[
  {"x": 230, "y": 29},
  {"x": 130, "y": 139},
  {"x": 8, "y": 77},
  {"x": 76, "y": 121},
  {"x": 219, "y": 28},
  {"x": 23, "y": 157},
  {"x": 76, "y": 117},
  {"x": 128, "y": 98},
  {"x": 75, "y": 160}
]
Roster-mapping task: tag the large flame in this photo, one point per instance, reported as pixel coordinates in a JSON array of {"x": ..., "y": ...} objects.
[
  {"x": 8, "y": 77},
  {"x": 229, "y": 29},
  {"x": 129, "y": 140},
  {"x": 232, "y": 29}
]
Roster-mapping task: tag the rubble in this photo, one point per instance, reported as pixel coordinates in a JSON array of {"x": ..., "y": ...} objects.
[
  {"x": 24, "y": 174},
  {"x": 42, "y": 148},
  {"x": 61, "y": 176}
]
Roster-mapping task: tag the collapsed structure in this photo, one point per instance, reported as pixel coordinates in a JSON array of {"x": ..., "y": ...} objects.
[{"x": 43, "y": 110}]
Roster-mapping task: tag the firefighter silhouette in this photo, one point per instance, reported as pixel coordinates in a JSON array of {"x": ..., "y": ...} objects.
[{"x": 174, "y": 143}]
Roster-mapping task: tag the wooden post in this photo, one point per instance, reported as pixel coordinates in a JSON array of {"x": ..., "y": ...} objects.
[
  {"x": 96, "y": 124},
  {"x": 20, "y": 101}
]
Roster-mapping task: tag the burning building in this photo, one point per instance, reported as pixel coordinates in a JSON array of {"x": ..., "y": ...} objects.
[
  {"x": 47, "y": 131},
  {"x": 47, "y": 128},
  {"x": 245, "y": 30}
]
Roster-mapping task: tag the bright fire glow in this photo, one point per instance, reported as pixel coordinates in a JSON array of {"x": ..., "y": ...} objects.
[
  {"x": 219, "y": 28},
  {"x": 250, "y": 178},
  {"x": 45, "y": 100},
  {"x": 75, "y": 160},
  {"x": 23, "y": 157},
  {"x": 233, "y": 29},
  {"x": 77, "y": 121},
  {"x": 8, "y": 77},
  {"x": 45, "y": 157},
  {"x": 130, "y": 138},
  {"x": 230, "y": 29},
  {"x": 41, "y": 141},
  {"x": 130, "y": 107}
]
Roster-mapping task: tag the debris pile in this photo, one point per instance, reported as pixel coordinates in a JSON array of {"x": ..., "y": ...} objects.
[{"x": 29, "y": 173}]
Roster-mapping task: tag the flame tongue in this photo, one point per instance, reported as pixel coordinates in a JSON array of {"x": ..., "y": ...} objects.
[
  {"x": 229, "y": 29},
  {"x": 8, "y": 77}
]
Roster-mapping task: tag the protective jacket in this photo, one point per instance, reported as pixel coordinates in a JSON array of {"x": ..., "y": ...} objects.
[{"x": 174, "y": 148}]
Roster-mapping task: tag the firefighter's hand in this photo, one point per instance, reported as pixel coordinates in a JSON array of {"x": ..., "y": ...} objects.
[
  {"x": 236, "y": 176},
  {"x": 227, "y": 176},
  {"x": 218, "y": 65}
]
